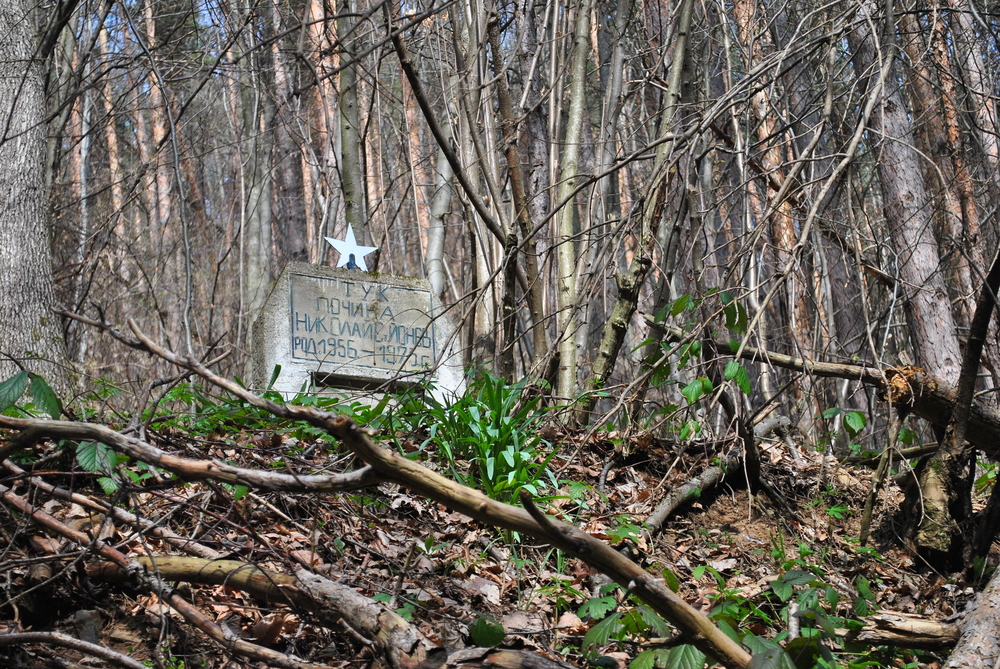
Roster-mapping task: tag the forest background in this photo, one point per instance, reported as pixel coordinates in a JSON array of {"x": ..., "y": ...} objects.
[{"x": 661, "y": 214}]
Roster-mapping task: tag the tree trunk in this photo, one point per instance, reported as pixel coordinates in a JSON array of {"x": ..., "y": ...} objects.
[
  {"x": 566, "y": 287},
  {"x": 351, "y": 176},
  {"x": 29, "y": 332},
  {"x": 979, "y": 645},
  {"x": 908, "y": 217}
]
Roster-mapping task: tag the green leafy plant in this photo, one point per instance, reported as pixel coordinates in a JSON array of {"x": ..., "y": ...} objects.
[
  {"x": 43, "y": 397},
  {"x": 490, "y": 437},
  {"x": 634, "y": 622}
]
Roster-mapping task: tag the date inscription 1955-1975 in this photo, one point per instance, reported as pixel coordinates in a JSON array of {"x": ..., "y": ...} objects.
[{"x": 361, "y": 323}]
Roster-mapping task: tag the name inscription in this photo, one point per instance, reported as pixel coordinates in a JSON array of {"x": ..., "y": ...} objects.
[{"x": 361, "y": 323}]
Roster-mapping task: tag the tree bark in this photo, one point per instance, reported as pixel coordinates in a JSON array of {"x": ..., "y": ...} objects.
[
  {"x": 351, "y": 177},
  {"x": 979, "y": 645},
  {"x": 30, "y": 332},
  {"x": 566, "y": 287},
  {"x": 908, "y": 213}
]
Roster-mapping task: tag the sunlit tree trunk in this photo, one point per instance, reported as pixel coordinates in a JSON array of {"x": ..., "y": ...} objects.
[
  {"x": 928, "y": 307},
  {"x": 566, "y": 287}
]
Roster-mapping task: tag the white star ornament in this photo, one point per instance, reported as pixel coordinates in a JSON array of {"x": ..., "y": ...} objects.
[{"x": 352, "y": 255}]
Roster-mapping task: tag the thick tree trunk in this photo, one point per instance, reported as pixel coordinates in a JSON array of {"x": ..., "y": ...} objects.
[
  {"x": 29, "y": 332},
  {"x": 908, "y": 217},
  {"x": 979, "y": 645}
]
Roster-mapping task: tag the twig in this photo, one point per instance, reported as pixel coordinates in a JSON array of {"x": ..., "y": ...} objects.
[
  {"x": 402, "y": 574},
  {"x": 144, "y": 524},
  {"x": 34, "y": 429}
]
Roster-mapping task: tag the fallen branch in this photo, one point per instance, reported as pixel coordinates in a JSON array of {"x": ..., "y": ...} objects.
[
  {"x": 396, "y": 642},
  {"x": 909, "y": 388},
  {"x": 905, "y": 630},
  {"x": 692, "y": 489},
  {"x": 187, "y": 610},
  {"x": 66, "y": 641},
  {"x": 33, "y": 430}
]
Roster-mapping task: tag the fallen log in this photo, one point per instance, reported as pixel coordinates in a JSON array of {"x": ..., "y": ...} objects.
[{"x": 396, "y": 643}]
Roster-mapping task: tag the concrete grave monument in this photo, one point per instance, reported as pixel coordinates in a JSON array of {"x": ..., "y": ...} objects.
[{"x": 349, "y": 329}]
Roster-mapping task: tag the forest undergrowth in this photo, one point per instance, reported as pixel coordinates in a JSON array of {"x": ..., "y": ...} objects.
[{"x": 778, "y": 570}]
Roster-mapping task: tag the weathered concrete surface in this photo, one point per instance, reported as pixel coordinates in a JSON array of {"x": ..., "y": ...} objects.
[{"x": 349, "y": 329}]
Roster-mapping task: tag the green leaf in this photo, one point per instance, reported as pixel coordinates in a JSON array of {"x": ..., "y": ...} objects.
[
  {"x": 108, "y": 485},
  {"x": 758, "y": 644},
  {"x": 12, "y": 389},
  {"x": 694, "y": 390},
  {"x": 670, "y": 578},
  {"x": 486, "y": 632},
  {"x": 239, "y": 492},
  {"x": 690, "y": 429},
  {"x": 736, "y": 315},
  {"x": 94, "y": 456},
  {"x": 599, "y": 634},
  {"x": 734, "y": 370},
  {"x": 274, "y": 376},
  {"x": 797, "y": 577},
  {"x": 832, "y": 412},
  {"x": 781, "y": 589},
  {"x": 864, "y": 588},
  {"x": 805, "y": 651},
  {"x": 654, "y": 621},
  {"x": 597, "y": 607},
  {"x": 648, "y": 659},
  {"x": 44, "y": 397},
  {"x": 686, "y": 656},
  {"x": 839, "y": 510},
  {"x": 681, "y": 303},
  {"x": 772, "y": 658},
  {"x": 855, "y": 421}
]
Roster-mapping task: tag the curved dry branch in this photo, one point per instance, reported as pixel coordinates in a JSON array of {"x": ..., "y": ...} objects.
[
  {"x": 66, "y": 641},
  {"x": 33, "y": 430}
]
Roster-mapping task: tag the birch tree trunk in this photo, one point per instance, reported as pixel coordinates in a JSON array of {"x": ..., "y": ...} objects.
[
  {"x": 29, "y": 332},
  {"x": 566, "y": 288}
]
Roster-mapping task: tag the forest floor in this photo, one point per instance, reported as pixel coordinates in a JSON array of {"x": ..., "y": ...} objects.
[{"x": 442, "y": 571}]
